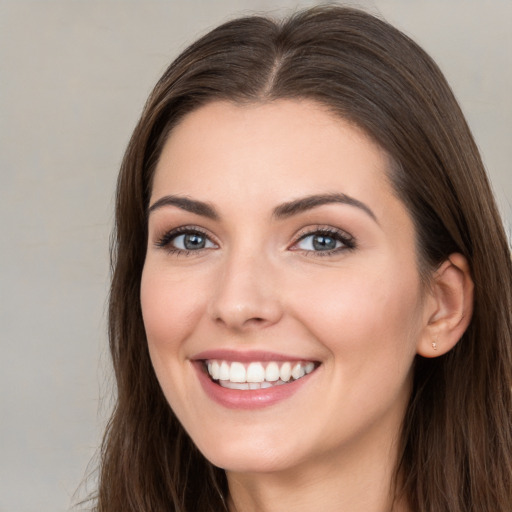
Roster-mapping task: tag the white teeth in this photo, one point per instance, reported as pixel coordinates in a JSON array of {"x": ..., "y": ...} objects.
[
  {"x": 286, "y": 372},
  {"x": 298, "y": 371},
  {"x": 224, "y": 371},
  {"x": 257, "y": 375},
  {"x": 236, "y": 373},
  {"x": 272, "y": 372},
  {"x": 213, "y": 368},
  {"x": 234, "y": 385},
  {"x": 255, "y": 372}
]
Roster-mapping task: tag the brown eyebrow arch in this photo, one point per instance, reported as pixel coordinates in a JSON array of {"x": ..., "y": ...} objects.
[
  {"x": 189, "y": 205},
  {"x": 282, "y": 211},
  {"x": 307, "y": 203}
]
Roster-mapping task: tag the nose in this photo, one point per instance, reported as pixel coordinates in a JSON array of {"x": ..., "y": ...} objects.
[{"x": 246, "y": 296}]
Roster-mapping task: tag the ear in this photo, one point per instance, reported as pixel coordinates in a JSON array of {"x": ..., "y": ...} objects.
[{"x": 449, "y": 307}]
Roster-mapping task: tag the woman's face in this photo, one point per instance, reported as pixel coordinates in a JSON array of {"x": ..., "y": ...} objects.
[{"x": 277, "y": 246}]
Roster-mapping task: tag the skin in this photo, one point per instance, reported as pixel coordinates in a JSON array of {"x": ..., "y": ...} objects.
[{"x": 362, "y": 312}]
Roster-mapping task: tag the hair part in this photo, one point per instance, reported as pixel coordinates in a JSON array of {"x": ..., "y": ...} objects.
[{"x": 456, "y": 445}]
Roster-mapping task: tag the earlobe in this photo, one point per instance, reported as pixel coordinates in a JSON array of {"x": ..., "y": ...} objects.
[{"x": 450, "y": 306}]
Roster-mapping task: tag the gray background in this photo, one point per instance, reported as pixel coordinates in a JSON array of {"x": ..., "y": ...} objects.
[{"x": 73, "y": 79}]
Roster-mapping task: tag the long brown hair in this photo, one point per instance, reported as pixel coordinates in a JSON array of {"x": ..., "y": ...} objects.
[{"x": 456, "y": 445}]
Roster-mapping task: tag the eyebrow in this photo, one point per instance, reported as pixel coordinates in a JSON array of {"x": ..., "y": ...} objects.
[
  {"x": 282, "y": 211},
  {"x": 189, "y": 205},
  {"x": 307, "y": 203}
]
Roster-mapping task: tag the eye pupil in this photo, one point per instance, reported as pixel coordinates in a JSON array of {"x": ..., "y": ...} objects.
[
  {"x": 194, "y": 241},
  {"x": 324, "y": 243}
]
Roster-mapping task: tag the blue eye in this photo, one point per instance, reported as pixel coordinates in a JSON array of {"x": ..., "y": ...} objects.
[
  {"x": 191, "y": 242},
  {"x": 325, "y": 241},
  {"x": 184, "y": 240}
]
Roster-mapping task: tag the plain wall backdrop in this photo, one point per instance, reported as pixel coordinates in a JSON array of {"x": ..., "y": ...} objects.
[{"x": 73, "y": 79}]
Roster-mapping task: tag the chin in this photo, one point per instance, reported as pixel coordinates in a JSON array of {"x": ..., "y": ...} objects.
[
  {"x": 269, "y": 462},
  {"x": 252, "y": 454}
]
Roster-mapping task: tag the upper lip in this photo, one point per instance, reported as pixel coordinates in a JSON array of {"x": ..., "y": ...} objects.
[{"x": 246, "y": 356}]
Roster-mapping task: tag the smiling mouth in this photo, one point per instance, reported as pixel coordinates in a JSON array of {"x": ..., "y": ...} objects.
[{"x": 256, "y": 375}]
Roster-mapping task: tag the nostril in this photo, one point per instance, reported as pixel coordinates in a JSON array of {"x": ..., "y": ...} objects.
[{"x": 255, "y": 321}]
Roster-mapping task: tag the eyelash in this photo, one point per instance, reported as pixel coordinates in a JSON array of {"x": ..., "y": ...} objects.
[
  {"x": 338, "y": 235},
  {"x": 348, "y": 242},
  {"x": 165, "y": 241}
]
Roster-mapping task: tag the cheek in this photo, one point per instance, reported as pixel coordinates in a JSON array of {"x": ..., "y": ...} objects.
[
  {"x": 170, "y": 308},
  {"x": 363, "y": 315}
]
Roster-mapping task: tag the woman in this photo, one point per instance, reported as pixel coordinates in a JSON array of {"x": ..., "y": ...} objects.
[{"x": 311, "y": 296}]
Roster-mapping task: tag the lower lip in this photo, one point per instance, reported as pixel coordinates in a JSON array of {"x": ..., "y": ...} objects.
[{"x": 250, "y": 398}]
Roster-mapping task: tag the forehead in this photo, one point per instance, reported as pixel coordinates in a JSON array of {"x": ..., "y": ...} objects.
[{"x": 269, "y": 152}]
